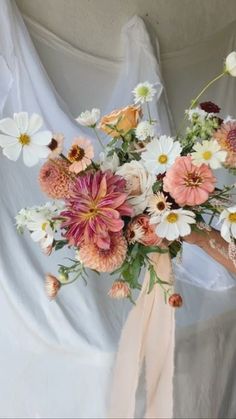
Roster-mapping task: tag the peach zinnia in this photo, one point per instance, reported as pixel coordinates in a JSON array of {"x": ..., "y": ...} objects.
[
  {"x": 189, "y": 184},
  {"x": 80, "y": 155},
  {"x": 226, "y": 137},
  {"x": 104, "y": 260},
  {"x": 54, "y": 179}
]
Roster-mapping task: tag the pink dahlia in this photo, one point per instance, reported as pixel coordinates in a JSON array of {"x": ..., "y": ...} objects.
[
  {"x": 104, "y": 260},
  {"x": 55, "y": 179},
  {"x": 226, "y": 137},
  {"x": 187, "y": 183},
  {"x": 95, "y": 209}
]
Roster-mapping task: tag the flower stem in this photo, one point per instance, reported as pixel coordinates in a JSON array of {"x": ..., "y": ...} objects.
[
  {"x": 194, "y": 102},
  {"x": 149, "y": 113},
  {"x": 99, "y": 139}
]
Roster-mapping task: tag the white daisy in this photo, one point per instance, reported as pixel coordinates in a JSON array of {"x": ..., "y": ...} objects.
[
  {"x": 89, "y": 118},
  {"x": 157, "y": 204},
  {"x": 228, "y": 228},
  {"x": 41, "y": 230},
  {"x": 21, "y": 133},
  {"x": 197, "y": 113},
  {"x": 160, "y": 154},
  {"x": 144, "y": 92},
  {"x": 210, "y": 153},
  {"x": 174, "y": 224},
  {"x": 144, "y": 130}
]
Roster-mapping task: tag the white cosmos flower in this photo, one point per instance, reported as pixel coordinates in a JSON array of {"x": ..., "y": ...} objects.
[
  {"x": 144, "y": 92},
  {"x": 41, "y": 230},
  {"x": 210, "y": 153},
  {"x": 174, "y": 224},
  {"x": 109, "y": 163},
  {"x": 228, "y": 228},
  {"x": 230, "y": 63},
  {"x": 21, "y": 132},
  {"x": 89, "y": 118},
  {"x": 138, "y": 184},
  {"x": 160, "y": 154},
  {"x": 144, "y": 130}
]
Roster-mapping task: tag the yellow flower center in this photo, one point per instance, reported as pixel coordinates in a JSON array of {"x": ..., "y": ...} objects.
[
  {"x": 172, "y": 217},
  {"x": 207, "y": 155},
  {"x": 44, "y": 226},
  {"x": 76, "y": 153},
  {"x": 24, "y": 139},
  {"x": 162, "y": 158},
  {"x": 232, "y": 217},
  {"x": 143, "y": 91}
]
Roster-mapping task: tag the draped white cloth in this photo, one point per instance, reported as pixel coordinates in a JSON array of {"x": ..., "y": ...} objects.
[{"x": 56, "y": 358}]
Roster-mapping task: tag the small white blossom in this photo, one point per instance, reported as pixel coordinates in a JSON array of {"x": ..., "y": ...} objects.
[
  {"x": 109, "y": 163},
  {"x": 174, "y": 224},
  {"x": 228, "y": 228},
  {"x": 144, "y": 130},
  {"x": 144, "y": 92},
  {"x": 160, "y": 154},
  {"x": 210, "y": 153},
  {"x": 21, "y": 133},
  {"x": 89, "y": 118},
  {"x": 230, "y": 64}
]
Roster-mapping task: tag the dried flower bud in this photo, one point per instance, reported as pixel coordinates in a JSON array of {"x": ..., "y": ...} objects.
[
  {"x": 175, "y": 300},
  {"x": 52, "y": 286},
  {"x": 119, "y": 290}
]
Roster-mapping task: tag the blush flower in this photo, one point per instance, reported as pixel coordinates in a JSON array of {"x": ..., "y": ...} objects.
[
  {"x": 140, "y": 230},
  {"x": 56, "y": 145},
  {"x": 95, "y": 209},
  {"x": 119, "y": 290},
  {"x": 120, "y": 121},
  {"x": 54, "y": 179},
  {"x": 189, "y": 184},
  {"x": 80, "y": 155},
  {"x": 226, "y": 137},
  {"x": 103, "y": 260},
  {"x": 52, "y": 286}
]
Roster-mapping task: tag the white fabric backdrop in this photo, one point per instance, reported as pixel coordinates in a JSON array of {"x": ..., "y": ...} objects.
[{"x": 56, "y": 358}]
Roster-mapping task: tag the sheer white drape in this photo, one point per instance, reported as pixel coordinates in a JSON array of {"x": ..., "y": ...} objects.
[{"x": 56, "y": 358}]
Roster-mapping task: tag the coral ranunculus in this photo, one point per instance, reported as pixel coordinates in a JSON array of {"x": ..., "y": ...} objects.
[
  {"x": 95, "y": 209},
  {"x": 226, "y": 137},
  {"x": 189, "y": 184},
  {"x": 123, "y": 121},
  {"x": 145, "y": 231}
]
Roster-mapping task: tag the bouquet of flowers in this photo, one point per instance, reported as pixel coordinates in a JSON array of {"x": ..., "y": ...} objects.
[{"x": 144, "y": 195}]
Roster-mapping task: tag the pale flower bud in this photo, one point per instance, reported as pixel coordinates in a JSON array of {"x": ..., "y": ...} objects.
[{"x": 230, "y": 64}]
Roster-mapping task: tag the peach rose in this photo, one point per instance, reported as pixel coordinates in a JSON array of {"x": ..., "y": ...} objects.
[
  {"x": 140, "y": 230},
  {"x": 123, "y": 119}
]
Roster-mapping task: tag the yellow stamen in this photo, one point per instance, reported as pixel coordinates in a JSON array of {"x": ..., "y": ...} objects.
[
  {"x": 207, "y": 155},
  {"x": 162, "y": 158},
  {"x": 172, "y": 217},
  {"x": 232, "y": 217},
  {"x": 24, "y": 139}
]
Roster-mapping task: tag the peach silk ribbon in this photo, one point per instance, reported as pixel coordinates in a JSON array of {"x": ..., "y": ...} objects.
[{"x": 147, "y": 337}]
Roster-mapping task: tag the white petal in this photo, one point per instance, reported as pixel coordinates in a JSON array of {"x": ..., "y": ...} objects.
[
  {"x": 172, "y": 232},
  {"x": 184, "y": 229},
  {"x": 42, "y": 138},
  {"x": 29, "y": 156},
  {"x": 35, "y": 124},
  {"x": 8, "y": 126},
  {"x": 233, "y": 229},
  {"x": 187, "y": 219},
  {"x": 225, "y": 233},
  {"x": 42, "y": 151},
  {"x": 161, "y": 229},
  {"x": 22, "y": 121},
  {"x": 37, "y": 235},
  {"x": 13, "y": 151},
  {"x": 6, "y": 140},
  {"x": 214, "y": 163}
]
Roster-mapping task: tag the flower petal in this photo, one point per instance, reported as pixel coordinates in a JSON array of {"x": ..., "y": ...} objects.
[
  {"x": 8, "y": 126},
  {"x": 6, "y": 140},
  {"x": 35, "y": 124},
  {"x": 30, "y": 158},
  {"x": 13, "y": 151},
  {"x": 42, "y": 138},
  {"x": 22, "y": 121}
]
